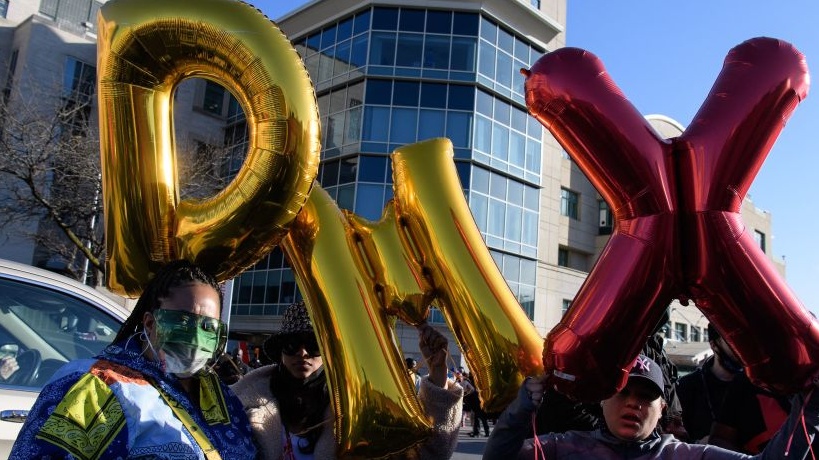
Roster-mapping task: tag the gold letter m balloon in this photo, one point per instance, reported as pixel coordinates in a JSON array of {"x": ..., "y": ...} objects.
[
  {"x": 426, "y": 248},
  {"x": 146, "y": 48}
]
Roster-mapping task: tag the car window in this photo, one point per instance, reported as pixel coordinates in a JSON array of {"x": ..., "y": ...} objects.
[{"x": 48, "y": 328}]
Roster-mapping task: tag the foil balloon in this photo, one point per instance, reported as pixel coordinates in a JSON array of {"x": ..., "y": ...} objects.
[
  {"x": 589, "y": 354},
  {"x": 358, "y": 275},
  {"x": 145, "y": 49},
  {"x": 678, "y": 232},
  {"x": 374, "y": 403},
  {"x": 726, "y": 272},
  {"x": 499, "y": 342}
]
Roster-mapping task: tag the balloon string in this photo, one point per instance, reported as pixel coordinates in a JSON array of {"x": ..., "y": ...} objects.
[
  {"x": 802, "y": 418},
  {"x": 807, "y": 436},
  {"x": 540, "y": 453}
]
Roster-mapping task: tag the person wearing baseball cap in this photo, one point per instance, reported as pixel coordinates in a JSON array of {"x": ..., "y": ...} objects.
[
  {"x": 633, "y": 413},
  {"x": 631, "y": 428}
]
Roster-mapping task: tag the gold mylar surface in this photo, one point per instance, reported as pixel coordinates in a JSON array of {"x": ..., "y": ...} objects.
[{"x": 145, "y": 49}]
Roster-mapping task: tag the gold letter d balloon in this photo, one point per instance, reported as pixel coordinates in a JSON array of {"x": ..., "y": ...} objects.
[
  {"x": 146, "y": 48},
  {"x": 356, "y": 275}
]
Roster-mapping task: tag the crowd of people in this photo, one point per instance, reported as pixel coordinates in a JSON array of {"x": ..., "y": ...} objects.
[{"x": 165, "y": 388}]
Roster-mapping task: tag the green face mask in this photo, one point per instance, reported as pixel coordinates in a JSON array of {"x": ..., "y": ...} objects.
[{"x": 188, "y": 339}]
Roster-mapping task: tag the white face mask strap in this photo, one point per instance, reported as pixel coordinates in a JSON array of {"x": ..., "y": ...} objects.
[
  {"x": 131, "y": 337},
  {"x": 143, "y": 335}
]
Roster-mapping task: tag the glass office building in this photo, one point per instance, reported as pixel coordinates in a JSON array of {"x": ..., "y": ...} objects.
[{"x": 387, "y": 76}]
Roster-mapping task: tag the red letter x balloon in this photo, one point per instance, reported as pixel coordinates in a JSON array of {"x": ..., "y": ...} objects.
[{"x": 678, "y": 232}]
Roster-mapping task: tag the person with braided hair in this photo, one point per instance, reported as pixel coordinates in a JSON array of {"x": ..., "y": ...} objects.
[{"x": 151, "y": 393}]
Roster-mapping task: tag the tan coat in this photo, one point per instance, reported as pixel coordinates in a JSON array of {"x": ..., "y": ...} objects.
[{"x": 444, "y": 406}]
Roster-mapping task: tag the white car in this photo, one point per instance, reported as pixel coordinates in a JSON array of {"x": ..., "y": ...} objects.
[{"x": 46, "y": 320}]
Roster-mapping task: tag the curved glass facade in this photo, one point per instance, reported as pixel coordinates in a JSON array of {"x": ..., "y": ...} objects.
[{"x": 390, "y": 76}]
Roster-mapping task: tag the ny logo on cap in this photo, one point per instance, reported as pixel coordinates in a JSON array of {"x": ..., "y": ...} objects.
[{"x": 643, "y": 363}]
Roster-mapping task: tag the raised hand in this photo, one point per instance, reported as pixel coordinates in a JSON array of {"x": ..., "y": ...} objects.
[{"x": 433, "y": 346}]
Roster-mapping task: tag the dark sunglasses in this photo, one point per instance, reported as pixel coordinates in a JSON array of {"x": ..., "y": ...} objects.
[{"x": 292, "y": 346}]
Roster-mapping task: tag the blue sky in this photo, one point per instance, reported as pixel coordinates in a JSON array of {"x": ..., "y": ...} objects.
[{"x": 665, "y": 56}]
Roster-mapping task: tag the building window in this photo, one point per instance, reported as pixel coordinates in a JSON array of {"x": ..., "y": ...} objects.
[
  {"x": 759, "y": 237},
  {"x": 681, "y": 332},
  {"x": 563, "y": 257},
  {"x": 571, "y": 258},
  {"x": 76, "y": 13},
  {"x": 527, "y": 301},
  {"x": 567, "y": 303},
  {"x": 78, "y": 91},
  {"x": 535, "y": 3},
  {"x": 78, "y": 80},
  {"x": 606, "y": 221},
  {"x": 10, "y": 76},
  {"x": 4, "y": 8},
  {"x": 214, "y": 100},
  {"x": 569, "y": 203},
  {"x": 695, "y": 334},
  {"x": 667, "y": 330}
]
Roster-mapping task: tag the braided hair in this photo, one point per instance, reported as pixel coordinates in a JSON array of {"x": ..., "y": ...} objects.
[{"x": 174, "y": 274}]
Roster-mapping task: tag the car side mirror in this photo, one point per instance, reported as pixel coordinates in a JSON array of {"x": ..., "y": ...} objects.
[{"x": 14, "y": 416}]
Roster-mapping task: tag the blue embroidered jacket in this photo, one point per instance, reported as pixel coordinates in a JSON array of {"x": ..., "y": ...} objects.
[{"x": 118, "y": 405}]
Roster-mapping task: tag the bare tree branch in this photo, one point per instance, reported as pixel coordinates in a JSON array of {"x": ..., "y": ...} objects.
[{"x": 50, "y": 176}]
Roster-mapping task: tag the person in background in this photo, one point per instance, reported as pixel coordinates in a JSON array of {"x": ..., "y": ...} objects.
[
  {"x": 671, "y": 421},
  {"x": 630, "y": 430},
  {"x": 412, "y": 370},
  {"x": 289, "y": 406},
  {"x": 255, "y": 362},
  {"x": 479, "y": 416},
  {"x": 749, "y": 417},
  {"x": 701, "y": 392},
  {"x": 238, "y": 359},
  {"x": 150, "y": 394},
  {"x": 227, "y": 370},
  {"x": 746, "y": 417},
  {"x": 463, "y": 380}
]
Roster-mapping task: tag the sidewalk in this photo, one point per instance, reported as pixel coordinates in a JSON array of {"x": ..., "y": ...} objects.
[{"x": 469, "y": 448}]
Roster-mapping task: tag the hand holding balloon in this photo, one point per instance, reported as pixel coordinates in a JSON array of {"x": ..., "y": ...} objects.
[
  {"x": 536, "y": 388},
  {"x": 434, "y": 346}
]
